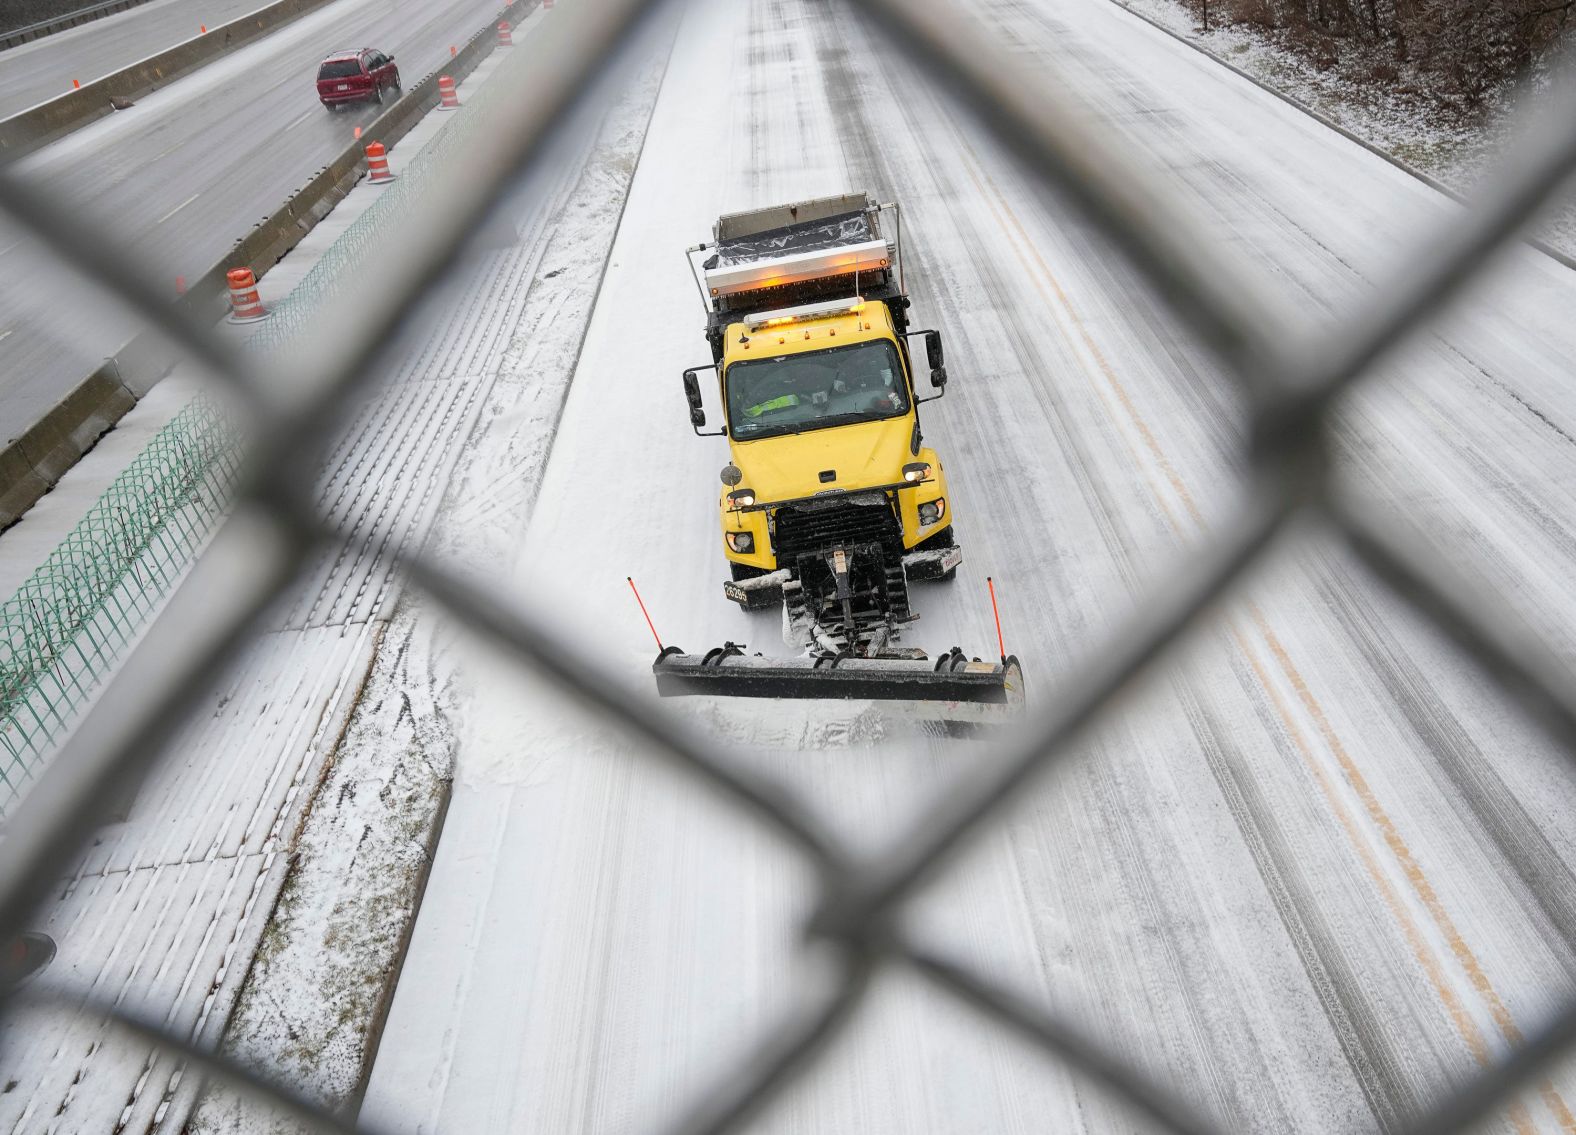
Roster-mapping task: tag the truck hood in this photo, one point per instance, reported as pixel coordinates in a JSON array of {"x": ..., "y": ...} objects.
[{"x": 863, "y": 455}]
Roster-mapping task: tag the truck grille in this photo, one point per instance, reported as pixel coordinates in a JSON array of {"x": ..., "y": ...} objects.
[{"x": 816, "y": 525}]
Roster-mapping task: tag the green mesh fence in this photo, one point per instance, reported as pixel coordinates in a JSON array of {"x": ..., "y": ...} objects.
[{"x": 63, "y": 630}]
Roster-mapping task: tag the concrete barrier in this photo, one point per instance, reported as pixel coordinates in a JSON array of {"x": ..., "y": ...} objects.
[
  {"x": 40, "y": 125},
  {"x": 16, "y": 37},
  {"x": 32, "y": 463}
]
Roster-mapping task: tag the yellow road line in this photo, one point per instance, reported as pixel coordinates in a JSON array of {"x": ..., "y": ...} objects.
[{"x": 1411, "y": 869}]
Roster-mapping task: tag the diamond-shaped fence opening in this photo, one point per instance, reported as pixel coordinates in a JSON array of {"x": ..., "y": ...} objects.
[{"x": 1289, "y": 379}]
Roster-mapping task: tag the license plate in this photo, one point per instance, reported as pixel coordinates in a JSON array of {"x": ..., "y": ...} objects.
[{"x": 344, "y": 86}]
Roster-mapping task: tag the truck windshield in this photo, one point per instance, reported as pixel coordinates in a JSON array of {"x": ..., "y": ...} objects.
[{"x": 836, "y": 387}]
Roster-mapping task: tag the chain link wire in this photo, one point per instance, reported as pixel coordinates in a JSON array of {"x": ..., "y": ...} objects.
[{"x": 1289, "y": 378}]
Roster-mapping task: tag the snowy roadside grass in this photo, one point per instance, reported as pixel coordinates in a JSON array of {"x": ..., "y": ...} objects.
[
  {"x": 1454, "y": 149},
  {"x": 317, "y": 994},
  {"x": 325, "y": 965}
]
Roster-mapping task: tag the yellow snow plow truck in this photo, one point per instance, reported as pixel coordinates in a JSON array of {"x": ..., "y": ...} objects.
[{"x": 831, "y": 504}]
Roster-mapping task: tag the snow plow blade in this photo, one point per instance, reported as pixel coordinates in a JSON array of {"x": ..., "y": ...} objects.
[{"x": 995, "y": 688}]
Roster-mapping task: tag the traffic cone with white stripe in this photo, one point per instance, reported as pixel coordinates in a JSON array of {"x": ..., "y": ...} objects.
[
  {"x": 448, "y": 97},
  {"x": 505, "y": 35},
  {"x": 378, "y": 171},
  {"x": 245, "y": 306}
]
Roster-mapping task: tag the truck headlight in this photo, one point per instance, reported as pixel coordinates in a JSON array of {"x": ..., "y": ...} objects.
[
  {"x": 741, "y": 542},
  {"x": 741, "y": 498},
  {"x": 916, "y": 471},
  {"x": 931, "y": 512}
]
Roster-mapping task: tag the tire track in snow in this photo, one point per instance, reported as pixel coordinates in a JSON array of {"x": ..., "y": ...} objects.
[
  {"x": 1420, "y": 885},
  {"x": 1380, "y": 1071},
  {"x": 1512, "y": 833},
  {"x": 865, "y": 156},
  {"x": 1372, "y": 1061},
  {"x": 1525, "y": 849}
]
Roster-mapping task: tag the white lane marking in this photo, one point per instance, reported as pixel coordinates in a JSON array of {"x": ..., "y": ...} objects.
[
  {"x": 4, "y": 335},
  {"x": 298, "y": 121},
  {"x": 178, "y": 208}
]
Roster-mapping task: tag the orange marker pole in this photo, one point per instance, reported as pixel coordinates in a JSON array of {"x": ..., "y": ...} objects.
[
  {"x": 180, "y": 285},
  {"x": 643, "y": 611},
  {"x": 76, "y": 85},
  {"x": 202, "y": 29},
  {"x": 1000, "y": 645}
]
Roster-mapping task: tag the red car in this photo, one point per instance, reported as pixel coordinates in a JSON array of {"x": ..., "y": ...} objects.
[{"x": 356, "y": 76}]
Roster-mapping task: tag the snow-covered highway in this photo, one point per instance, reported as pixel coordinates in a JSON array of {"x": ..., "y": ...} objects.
[{"x": 1312, "y": 880}]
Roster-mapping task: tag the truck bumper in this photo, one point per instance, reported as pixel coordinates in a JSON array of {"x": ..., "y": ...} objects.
[
  {"x": 931, "y": 563},
  {"x": 758, "y": 593}
]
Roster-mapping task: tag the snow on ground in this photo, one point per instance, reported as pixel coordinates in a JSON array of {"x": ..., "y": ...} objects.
[
  {"x": 1311, "y": 879},
  {"x": 166, "y": 911},
  {"x": 314, "y": 1002}
]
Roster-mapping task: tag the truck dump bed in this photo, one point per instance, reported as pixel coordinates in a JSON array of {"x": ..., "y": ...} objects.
[{"x": 790, "y": 254}]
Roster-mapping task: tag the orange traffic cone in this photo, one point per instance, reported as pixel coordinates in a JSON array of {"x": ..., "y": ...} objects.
[
  {"x": 505, "y": 36},
  {"x": 448, "y": 97},
  {"x": 378, "y": 164},
  {"x": 245, "y": 306}
]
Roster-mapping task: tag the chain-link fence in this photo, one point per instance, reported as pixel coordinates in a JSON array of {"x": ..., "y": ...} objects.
[{"x": 1289, "y": 379}]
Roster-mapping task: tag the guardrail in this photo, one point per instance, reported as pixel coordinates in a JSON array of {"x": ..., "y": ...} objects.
[
  {"x": 16, "y": 37},
  {"x": 30, "y": 465}
]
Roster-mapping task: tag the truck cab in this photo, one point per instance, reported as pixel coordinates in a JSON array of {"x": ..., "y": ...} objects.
[{"x": 815, "y": 378}]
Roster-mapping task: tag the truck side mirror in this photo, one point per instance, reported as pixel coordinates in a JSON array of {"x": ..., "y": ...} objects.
[
  {"x": 696, "y": 407},
  {"x": 938, "y": 369},
  {"x": 692, "y": 396}
]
